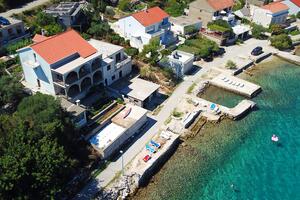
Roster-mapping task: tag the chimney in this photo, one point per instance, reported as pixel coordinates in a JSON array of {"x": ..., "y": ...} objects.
[{"x": 77, "y": 102}]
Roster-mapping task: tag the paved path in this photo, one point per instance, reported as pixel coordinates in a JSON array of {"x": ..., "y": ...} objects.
[
  {"x": 168, "y": 106},
  {"x": 27, "y": 6}
]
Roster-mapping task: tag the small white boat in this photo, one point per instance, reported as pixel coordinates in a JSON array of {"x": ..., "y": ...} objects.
[{"x": 275, "y": 138}]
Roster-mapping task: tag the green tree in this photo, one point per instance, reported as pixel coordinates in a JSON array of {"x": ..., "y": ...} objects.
[
  {"x": 257, "y": 31},
  {"x": 281, "y": 42},
  {"x": 34, "y": 143},
  {"x": 99, "y": 29},
  {"x": 276, "y": 29},
  {"x": 10, "y": 91},
  {"x": 124, "y": 5},
  {"x": 150, "y": 51}
]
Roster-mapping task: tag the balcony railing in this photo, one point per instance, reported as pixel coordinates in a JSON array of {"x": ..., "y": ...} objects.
[{"x": 122, "y": 63}]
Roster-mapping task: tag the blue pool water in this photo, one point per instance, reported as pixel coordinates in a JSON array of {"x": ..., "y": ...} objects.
[{"x": 237, "y": 160}]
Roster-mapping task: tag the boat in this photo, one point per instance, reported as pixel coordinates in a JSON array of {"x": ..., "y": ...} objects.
[{"x": 275, "y": 138}]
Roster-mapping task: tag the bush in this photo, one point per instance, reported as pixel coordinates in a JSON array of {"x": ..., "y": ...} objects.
[
  {"x": 257, "y": 31},
  {"x": 219, "y": 25},
  {"x": 12, "y": 48},
  {"x": 124, "y": 5},
  {"x": 131, "y": 51},
  {"x": 203, "y": 47},
  {"x": 281, "y": 42},
  {"x": 276, "y": 29},
  {"x": 230, "y": 64}
]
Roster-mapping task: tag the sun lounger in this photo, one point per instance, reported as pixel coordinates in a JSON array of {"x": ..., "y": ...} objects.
[
  {"x": 149, "y": 148},
  {"x": 155, "y": 144}
]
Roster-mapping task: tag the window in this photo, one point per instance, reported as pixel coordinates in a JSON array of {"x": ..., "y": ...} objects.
[
  {"x": 113, "y": 77},
  {"x": 34, "y": 55},
  {"x": 118, "y": 57},
  {"x": 10, "y": 31},
  {"x": 19, "y": 30},
  {"x": 108, "y": 67}
]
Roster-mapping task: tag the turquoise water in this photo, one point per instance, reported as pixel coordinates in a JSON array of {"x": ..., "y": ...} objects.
[{"x": 237, "y": 160}]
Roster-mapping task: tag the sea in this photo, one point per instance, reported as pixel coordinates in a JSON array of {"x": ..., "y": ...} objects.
[{"x": 236, "y": 160}]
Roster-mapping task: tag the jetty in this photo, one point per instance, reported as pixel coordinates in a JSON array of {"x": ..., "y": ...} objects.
[
  {"x": 236, "y": 85},
  {"x": 239, "y": 110},
  {"x": 213, "y": 113},
  {"x": 288, "y": 57}
]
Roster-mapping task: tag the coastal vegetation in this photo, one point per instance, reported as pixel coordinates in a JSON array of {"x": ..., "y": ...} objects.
[
  {"x": 200, "y": 46},
  {"x": 219, "y": 26},
  {"x": 36, "y": 149},
  {"x": 257, "y": 31},
  {"x": 230, "y": 64},
  {"x": 281, "y": 42}
]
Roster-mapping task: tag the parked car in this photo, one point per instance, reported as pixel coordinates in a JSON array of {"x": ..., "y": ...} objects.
[
  {"x": 256, "y": 51},
  {"x": 4, "y": 21},
  {"x": 147, "y": 158}
]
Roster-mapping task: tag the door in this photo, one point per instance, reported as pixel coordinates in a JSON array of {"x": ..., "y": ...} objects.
[{"x": 38, "y": 83}]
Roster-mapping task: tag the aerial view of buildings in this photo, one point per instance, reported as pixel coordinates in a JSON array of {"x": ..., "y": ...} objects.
[{"x": 113, "y": 99}]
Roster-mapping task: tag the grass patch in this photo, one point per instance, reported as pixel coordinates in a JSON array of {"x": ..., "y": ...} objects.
[
  {"x": 168, "y": 120},
  {"x": 157, "y": 110},
  {"x": 191, "y": 88},
  {"x": 176, "y": 113}
]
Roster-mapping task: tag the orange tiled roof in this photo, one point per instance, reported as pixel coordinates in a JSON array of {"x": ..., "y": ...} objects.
[
  {"x": 150, "y": 16},
  {"x": 53, "y": 49},
  {"x": 275, "y": 7},
  {"x": 39, "y": 38},
  {"x": 296, "y": 2},
  {"x": 220, "y": 4}
]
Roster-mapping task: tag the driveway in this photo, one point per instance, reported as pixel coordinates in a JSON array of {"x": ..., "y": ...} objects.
[{"x": 27, "y": 6}]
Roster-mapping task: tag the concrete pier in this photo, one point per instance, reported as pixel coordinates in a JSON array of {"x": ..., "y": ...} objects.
[
  {"x": 236, "y": 85},
  {"x": 288, "y": 57},
  {"x": 236, "y": 112},
  {"x": 239, "y": 110}
]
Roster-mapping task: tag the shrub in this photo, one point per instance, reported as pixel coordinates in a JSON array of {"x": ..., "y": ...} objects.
[
  {"x": 230, "y": 64},
  {"x": 124, "y": 5},
  {"x": 131, "y": 51},
  {"x": 281, "y": 42},
  {"x": 257, "y": 31},
  {"x": 12, "y": 48}
]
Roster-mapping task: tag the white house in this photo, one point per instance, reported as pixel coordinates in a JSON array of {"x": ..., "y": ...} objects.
[
  {"x": 179, "y": 61},
  {"x": 273, "y": 13},
  {"x": 66, "y": 65},
  {"x": 142, "y": 26},
  {"x": 184, "y": 25}
]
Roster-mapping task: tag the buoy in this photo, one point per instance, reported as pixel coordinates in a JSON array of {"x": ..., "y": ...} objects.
[{"x": 275, "y": 138}]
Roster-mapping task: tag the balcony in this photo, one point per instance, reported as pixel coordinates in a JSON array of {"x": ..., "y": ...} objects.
[
  {"x": 156, "y": 33},
  {"x": 123, "y": 63},
  {"x": 71, "y": 78},
  {"x": 96, "y": 64}
]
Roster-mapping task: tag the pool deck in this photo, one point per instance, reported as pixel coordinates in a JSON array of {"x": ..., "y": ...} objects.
[{"x": 236, "y": 85}]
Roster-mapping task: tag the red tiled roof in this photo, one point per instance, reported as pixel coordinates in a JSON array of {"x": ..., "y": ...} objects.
[
  {"x": 220, "y": 4},
  {"x": 296, "y": 2},
  {"x": 150, "y": 16},
  {"x": 275, "y": 7},
  {"x": 63, "y": 45},
  {"x": 39, "y": 38}
]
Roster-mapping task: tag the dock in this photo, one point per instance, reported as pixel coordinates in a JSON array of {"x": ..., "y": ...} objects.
[
  {"x": 236, "y": 85},
  {"x": 239, "y": 110}
]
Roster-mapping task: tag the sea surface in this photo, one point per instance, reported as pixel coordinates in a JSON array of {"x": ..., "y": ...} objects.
[{"x": 237, "y": 159}]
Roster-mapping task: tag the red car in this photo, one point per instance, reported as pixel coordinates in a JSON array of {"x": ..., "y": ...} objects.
[{"x": 146, "y": 158}]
